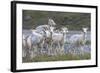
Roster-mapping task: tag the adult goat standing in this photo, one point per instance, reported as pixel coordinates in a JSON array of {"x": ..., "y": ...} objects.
[
  {"x": 78, "y": 40},
  {"x": 35, "y": 42},
  {"x": 58, "y": 40},
  {"x": 47, "y": 41}
]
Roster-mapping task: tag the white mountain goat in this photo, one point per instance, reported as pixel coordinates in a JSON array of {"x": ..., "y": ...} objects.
[
  {"x": 23, "y": 46},
  {"x": 78, "y": 40},
  {"x": 35, "y": 42},
  {"x": 51, "y": 22},
  {"x": 58, "y": 41},
  {"x": 42, "y": 27},
  {"x": 47, "y": 41}
]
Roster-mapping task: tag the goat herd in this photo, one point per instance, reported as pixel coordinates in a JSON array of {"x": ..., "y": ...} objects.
[{"x": 44, "y": 39}]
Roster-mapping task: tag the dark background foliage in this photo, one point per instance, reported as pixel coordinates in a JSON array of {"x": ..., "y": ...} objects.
[{"x": 71, "y": 20}]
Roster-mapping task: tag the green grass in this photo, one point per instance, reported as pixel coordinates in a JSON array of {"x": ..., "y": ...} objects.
[{"x": 45, "y": 58}]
